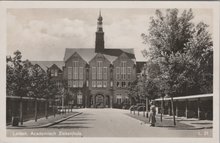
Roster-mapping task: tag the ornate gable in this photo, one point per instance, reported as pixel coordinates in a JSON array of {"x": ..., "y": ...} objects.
[
  {"x": 123, "y": 57},
  {"x": 76, "y": 57},
  {"x": 99, "y": 57}
]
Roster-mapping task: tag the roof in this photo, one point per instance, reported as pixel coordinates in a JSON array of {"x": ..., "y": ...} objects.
[
  {"x": 118, "y": 52},
  {"x": 86, "y": 53},
  {"x": 89, "y": 53},
  {"x": 46, "y": 64},
  {"x": 190, "y": 97}
]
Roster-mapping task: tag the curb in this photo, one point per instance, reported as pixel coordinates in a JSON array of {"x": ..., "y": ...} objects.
[
  {"x": 48, "y": 124},
  {"x": 58, "y": 121}
]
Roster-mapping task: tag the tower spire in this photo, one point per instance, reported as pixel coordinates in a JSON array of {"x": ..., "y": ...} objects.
[
  {"x": 99, "y": 43},
  {"x": 99, "y": 23},
  {"x": 100, "y": 13}
]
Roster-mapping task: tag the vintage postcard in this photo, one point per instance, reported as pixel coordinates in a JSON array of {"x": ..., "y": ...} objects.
[{"x": 109, "y": 71}]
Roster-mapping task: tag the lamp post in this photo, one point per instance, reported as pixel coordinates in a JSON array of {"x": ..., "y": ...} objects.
[
  {"x": 162, "y": 109},
  {"x": 173, "y": 112},
  {"x": 144, "y": 83}
]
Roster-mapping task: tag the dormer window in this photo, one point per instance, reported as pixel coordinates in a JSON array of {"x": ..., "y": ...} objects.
[{"x": 54, "y": 72}]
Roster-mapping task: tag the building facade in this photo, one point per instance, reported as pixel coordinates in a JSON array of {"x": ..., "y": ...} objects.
[{"x": 97, "y": 77}]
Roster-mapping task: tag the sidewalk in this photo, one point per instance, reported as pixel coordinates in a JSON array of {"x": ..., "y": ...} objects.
[
  {"x": 43, "y": 122},
  {"x": 182, "y": 123},
  {"x": 206, "y": 124}
]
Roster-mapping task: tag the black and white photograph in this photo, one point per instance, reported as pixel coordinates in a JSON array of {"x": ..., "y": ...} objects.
[{"x": 105, "y": 71}]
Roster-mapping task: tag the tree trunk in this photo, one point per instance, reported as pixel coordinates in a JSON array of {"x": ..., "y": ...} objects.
[
  {"x": 147, "y": 107},
  {"x": 21, "y": 111},
  {"x": 46, "y": 112},
  {"x": 35, "y": 110},
  {"x": 174, "y": 120}
]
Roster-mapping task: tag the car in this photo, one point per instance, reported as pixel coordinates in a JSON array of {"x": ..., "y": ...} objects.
[
  {"x": 141, "y": 108},
  {"x": 131, "y": 108},
  {"x": 135, "y": 107}
]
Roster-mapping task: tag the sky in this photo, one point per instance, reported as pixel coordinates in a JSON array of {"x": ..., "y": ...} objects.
[{"x": 44, "y": 34}]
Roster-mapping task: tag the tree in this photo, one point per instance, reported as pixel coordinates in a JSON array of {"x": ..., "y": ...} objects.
[
  {"x": 18, "y": 79},
  {"x": 38, "y": 85},
  {"x": 133, "y": 92},
  {"x": 53, "y": 92},
  {"x": 180, "y": 48}
]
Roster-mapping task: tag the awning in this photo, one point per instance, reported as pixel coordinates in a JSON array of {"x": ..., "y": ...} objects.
[{"x": 190, "y": 98}]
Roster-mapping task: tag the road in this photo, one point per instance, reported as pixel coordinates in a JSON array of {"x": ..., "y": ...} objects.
[{"x": 108, "y": 123}]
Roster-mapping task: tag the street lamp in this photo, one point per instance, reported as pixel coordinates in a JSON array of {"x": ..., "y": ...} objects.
[
  {"x": 146, "y": 95},
  {"x": 162, "y": 107}
]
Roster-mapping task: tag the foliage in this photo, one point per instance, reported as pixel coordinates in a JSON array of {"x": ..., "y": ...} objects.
[
  {"x": 182, "y": 50},
  {"x": 18, "y": 79},
  {"x": 133, "y": 92},
  {"x": 25, "y": 79}
]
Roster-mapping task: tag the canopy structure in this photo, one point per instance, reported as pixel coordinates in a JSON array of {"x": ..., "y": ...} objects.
[{"x": 189, "y": 98}]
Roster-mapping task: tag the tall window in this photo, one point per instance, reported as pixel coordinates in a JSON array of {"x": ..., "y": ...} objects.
[
  {"x": 129, "y": 73},
  {"x": 80, "y": 72},
  {"x": 69, "y": 71},
  {"x": 126, "y": 99},
  {"x": 55, "y": 73},
  {"x": 80, "y": 83},
  {"x": 52, "y": 72},
  {"x": 123, "y": 84},
  {"x": 105, "y": 73},
  {"x": 99, "y": 72},
  {"x": 118, "y": 99},
  {"x": 104, "y": 83},
  {"x": 75, "y": 69},
  {"x": 93, "y": 72},
  {"x": 117, "y": 73},
  {"x": 118, "y": 84},
  {"x": 99, "y": 83},
  {"x": 123, "y": 70},
  {"x": 75, "y": 83},
  {"x": 93, "y": 83}
]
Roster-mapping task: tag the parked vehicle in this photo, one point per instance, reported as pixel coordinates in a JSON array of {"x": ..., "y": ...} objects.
[
  {"x": 136, "y": 107},
  {"x": 141, "y": 108}
]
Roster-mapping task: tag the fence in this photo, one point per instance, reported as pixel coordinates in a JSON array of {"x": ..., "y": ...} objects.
[{"x": 28, "y": 108}]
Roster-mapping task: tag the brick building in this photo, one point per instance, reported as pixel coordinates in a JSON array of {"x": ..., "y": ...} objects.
[{"x": 97, "y": 77}]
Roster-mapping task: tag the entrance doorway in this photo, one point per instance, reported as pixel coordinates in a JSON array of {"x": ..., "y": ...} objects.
[{"x": 99, "y": 101}]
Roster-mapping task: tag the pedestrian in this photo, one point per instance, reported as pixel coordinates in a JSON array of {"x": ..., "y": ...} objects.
[{"x": 152, "y": 118}]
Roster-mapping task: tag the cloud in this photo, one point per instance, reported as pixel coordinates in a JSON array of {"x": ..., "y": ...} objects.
[
  {"x": 43, "y": 34},
  {"x": 40, "y": 40}
]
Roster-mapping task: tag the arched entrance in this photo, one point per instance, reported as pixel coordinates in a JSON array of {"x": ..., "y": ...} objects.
[{"x": 99, "y": 101}]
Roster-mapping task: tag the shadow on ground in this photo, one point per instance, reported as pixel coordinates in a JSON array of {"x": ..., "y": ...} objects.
[{"x": 164, "y": 124}]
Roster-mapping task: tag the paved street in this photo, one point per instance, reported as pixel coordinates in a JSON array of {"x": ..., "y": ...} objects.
[{"x": 108, "y": 123}]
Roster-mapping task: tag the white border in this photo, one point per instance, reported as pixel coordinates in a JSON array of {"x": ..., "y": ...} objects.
[{"x": 108, "y": 4}]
